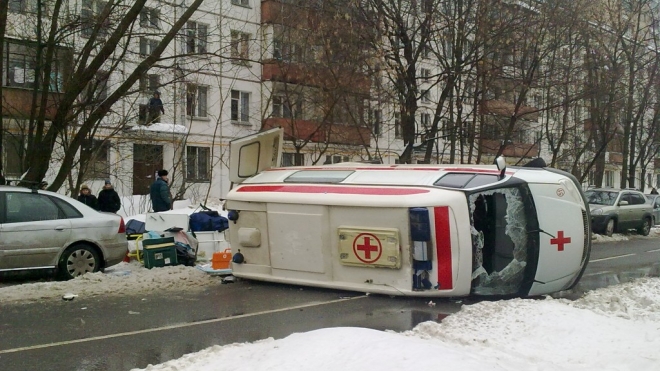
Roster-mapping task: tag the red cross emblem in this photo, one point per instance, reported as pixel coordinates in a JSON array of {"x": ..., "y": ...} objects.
[
  {"x": 560, "y": 241},
  {"x": 367, "y": 248}
]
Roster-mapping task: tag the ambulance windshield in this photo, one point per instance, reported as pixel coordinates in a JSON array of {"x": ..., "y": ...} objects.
[
  {"x": 318, "y": 176},
  {"x": 499, "y": 225},
  {"x": 466, "y": 180}
]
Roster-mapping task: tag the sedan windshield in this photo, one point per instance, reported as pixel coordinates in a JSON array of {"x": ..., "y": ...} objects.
[{"x": 601, "y": 197}]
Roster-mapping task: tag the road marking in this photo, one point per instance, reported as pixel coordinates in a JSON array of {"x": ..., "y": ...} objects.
[
  {"x": 656, "y": 250},
  {"x": 171, "y": 327},
  {"x": 610, "y": 258}
]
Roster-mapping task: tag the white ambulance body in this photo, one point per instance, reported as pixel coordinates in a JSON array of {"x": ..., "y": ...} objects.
[{"x": 417, "y": 230}]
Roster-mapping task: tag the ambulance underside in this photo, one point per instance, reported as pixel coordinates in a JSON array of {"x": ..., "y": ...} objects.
[{"x": 435, "y": 243}]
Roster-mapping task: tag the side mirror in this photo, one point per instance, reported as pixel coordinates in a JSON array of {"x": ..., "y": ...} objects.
[
  {"x": 623, "y": 203},
  {"x": 501, "y": 165}
]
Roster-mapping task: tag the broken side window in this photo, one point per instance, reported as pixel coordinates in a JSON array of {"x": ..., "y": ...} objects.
[{"x": 499, "y": 224}]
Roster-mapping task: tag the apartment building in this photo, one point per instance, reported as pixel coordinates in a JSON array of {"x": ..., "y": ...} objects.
[{"x": 241, "y": 66}]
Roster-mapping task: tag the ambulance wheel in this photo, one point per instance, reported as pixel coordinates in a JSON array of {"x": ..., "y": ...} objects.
[
  {"x": 609, "y": 229},
  {"x": 78, "y": 260},
  {"x": 645, "y": 229}
]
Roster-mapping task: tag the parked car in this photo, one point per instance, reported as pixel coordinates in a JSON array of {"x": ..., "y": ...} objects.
[
  {"x": 46, "y": 230},
  {"x": 654, "y": 201},
  {"x": 618, "y": 210}
]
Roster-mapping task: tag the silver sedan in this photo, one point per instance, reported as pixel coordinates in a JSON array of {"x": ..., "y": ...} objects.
[{"x": 46, "y": 230}]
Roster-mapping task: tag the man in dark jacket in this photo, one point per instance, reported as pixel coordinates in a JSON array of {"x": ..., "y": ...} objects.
[
  {"x": 87, "y": 197},
  {"x": 155, "y": 108},
  {"x": 109, "y": 199},
  {"x": 160, "y": 193}
]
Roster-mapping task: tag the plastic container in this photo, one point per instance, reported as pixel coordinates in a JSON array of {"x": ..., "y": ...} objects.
[
  {"x": 159, "y": 252},
  {"x": 221, "y": 260}
]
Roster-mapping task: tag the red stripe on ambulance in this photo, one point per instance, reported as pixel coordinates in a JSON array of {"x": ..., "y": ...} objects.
[
  {"x": 377, "y": 191},
  {"x": 443, "y": 247}
]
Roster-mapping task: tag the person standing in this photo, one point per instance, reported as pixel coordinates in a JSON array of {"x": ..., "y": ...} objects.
[
  {"x": 87, "y": 197},
  {"x": 155, "y": 108},
  {"x": 160, "y": 193},
  {"x": 109, "y": 199}
]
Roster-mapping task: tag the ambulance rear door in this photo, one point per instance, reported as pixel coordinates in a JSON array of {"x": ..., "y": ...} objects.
[{"x": 248, "y": 156}]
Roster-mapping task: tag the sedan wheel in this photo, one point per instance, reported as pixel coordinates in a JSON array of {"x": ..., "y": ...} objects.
[
  {"x": 609, "y": 229},
  {"x": 645, "y": 229},
  {"x": 78, "y": 260}
]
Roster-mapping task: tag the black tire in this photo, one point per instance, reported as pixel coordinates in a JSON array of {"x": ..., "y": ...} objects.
[
  {"x": 645, "y": 229},
  {"x": 78, "y": 260},
  {"x": 610, "y": 228}
]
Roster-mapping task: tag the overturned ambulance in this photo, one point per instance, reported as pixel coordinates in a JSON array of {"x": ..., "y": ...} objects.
[{"x": 417, "y": 230}]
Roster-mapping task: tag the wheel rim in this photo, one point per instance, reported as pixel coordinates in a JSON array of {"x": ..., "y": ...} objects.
[
  {"x": 80, "y": 262},
  {"x": 610, "y": 227},
  {"x": 647, "y": 227}
]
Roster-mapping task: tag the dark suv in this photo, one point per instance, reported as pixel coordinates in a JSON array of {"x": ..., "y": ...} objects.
[{"x": 617, "y": 210}]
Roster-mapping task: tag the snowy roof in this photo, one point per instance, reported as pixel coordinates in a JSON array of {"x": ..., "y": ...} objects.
[{"x": 162, "y": 127}]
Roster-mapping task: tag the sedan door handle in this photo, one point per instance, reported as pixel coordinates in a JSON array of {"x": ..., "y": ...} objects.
[{"x": 59, "y": 228}]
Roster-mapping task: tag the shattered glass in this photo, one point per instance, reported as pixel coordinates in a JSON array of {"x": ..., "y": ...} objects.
[{"x": 508, "y": 279}]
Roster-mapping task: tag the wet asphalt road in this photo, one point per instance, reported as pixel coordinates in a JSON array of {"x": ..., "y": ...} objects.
[{"x": 121, "y": 333}]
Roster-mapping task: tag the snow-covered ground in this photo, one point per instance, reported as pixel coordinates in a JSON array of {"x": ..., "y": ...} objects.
[
  {"x": 122, "y": 279},
  {"x": 615, "y": 328}
]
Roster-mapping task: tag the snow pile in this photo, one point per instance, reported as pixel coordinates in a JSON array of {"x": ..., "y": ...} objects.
[
  {"x": 121, "y": 279},
  {"x": 598, "y": 238},
  {"x": 638, "y": 300},
  {"x": 518, "y": 334}
]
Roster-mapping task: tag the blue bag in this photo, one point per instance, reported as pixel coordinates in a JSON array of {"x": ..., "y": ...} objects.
[{"x": 208, "y": 221}]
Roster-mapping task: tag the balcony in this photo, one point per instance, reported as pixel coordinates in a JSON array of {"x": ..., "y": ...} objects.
[
  {"x": 319, "y": 132},
  {"x": 507, "y": 109},
  {"x": 293, "y": 73},
  {"x": 17, "y": 102},
  {"x": 491, "y": 146},
  {"x": 272, "y": 10},
  {"x": 616, "y": 158}
]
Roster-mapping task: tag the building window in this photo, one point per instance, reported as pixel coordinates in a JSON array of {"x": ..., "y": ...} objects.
[
  {"x": 149, "y": 83},
  {"x": 426, "y": 96},
  {"x": 22, "y": 6},
  {"x": 91, "y": 16},
  {"x": 240, "y": 102},
  {"x": 97, "y": 89},
  {"x": 397, "y": 125},
  {"x": 94, "y": 157},
  {"x": 149, "y": 17},
  {"x": 609, "y": 179},
  {"x": 425, "y": 74},
  {"x": 288, "y": 52},
  {"x": 196, "y": 100},
  {"x": 241, "y": 2},
  {"x": 147, "y": 46},
  {"x": 293, "y": 159},
  {"x": 426, "y": 51},
  {"x": 197, "y": 163},
  {"x": 425, "y": 120},
  {"x": 283, "y": 108},
  {"x": 335, "y": 159},
  {"x": 196, "y": 37},
  {"x": 376, "y": 117},
  {"x": 240, "y": 45},
  {"x": 20, "y": 65}
]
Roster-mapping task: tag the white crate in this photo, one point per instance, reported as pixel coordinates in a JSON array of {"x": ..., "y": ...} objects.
[{"x": 210, "y": 242}]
